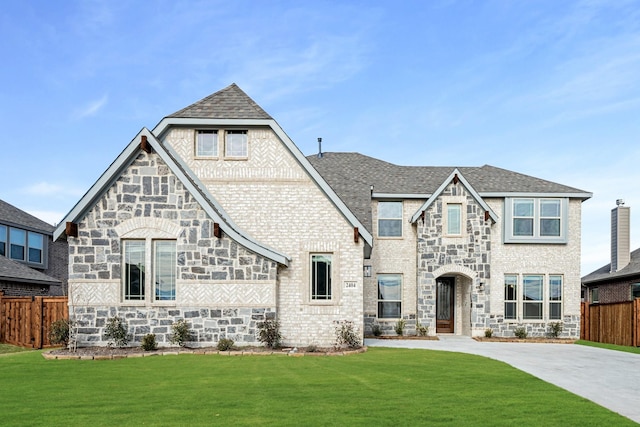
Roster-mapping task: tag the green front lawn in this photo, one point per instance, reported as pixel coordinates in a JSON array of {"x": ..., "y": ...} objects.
[
  {"x": 8, "y": 348},
  {"x": 624, "y": 348},
  {"x": 395, "y": 387}
]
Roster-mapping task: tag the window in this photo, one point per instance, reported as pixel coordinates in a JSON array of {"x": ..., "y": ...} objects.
[
  {"x": 236, "y": 143},
  {"x": 555, "y": 297},
  {"x": 535, "y": 220},
  {"x": 389, "y": 296},
  {"x": 134, "y": 269},
  {"x": 510, "y": 297},
  {"x": 36, "y": 244},
  {"x": 595, "y": 295},
  {"x": 3, "y": 240},
  {"x": 321, "y": 277},
  {"x": 635, "y": 290},
  {"x": 390, "y": 219},
  {"x": 18, "y": 243},
  {"x": 164, "y": 268},
  {"x": 532, "y": 294},
  {"x": 454, "y": 219},
  {"x": 207, "y": 143}
]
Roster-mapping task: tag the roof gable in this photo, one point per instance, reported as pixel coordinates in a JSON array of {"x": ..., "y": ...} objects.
[
  {"x": 453, "y": 176},
  {"x": 228, "y": 103},
  {"x": 191, "y": 183}
]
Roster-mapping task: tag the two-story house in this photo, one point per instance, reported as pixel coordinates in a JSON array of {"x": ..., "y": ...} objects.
[
  {"x": 30, "y": 262},
  {"x": 216, "y": 217}
]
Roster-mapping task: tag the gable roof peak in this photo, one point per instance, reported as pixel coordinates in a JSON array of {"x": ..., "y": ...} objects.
[{"x": 228, "y": 103}]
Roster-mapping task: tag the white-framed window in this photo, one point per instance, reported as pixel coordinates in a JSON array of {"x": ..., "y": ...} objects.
[
  {"x": 321, "y": 277},
  {"x": 136, "y": 264},
  {"x": 389, "y": 296},
  {"x": 22, "y": 245},
  {"x": 390, "y": 219},
  {"x": 454, "y": 219},
  {"x": 511, "y": 296},
  {"x": 533, "y": 296},
  {"x": 555, "y": 297},
  {"x": 535, "y": 220},
  {"x": 207, "y": 143},
  {"x": 236, "y": 144}
]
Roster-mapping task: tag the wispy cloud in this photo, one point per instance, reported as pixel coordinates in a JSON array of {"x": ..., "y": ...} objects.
[{"x": 91, "y": 108}]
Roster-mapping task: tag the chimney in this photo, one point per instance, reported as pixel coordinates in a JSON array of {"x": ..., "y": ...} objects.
[
  {"x": 620, "y": 240},
  {"x": 319, "y": 148}
]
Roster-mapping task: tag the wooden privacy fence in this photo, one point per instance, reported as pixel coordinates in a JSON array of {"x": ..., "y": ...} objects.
[
  {"x": 615, "y": 323},
  {"x": 26, "y": 321}
]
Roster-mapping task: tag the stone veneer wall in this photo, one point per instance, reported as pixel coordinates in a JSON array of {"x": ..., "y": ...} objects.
[
  {"x": 222, "y": 289},
  {"x": 468, "y": 255}
]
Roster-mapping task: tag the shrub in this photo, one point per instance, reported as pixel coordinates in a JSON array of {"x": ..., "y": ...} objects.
[
  {"x": 225, "y": 344},
  {"x": 181, "y": 333},
  {"x": 149, "y": 342},
  {"x": 60, "y": 332},
  {"x": 399, "y": 328},
  {"x": 347, "y": 335},
  {"x": 520, "y": 332},
  {"x": 116, "y": 331},
  {"x": 376, "y": 330},
  {"x": 555, "y": 328},
  {"x": 269, "y": 333},
  {"x": 488, "y": 333},
  {"x": 312, "y": 348},
  {"x": 421, "y": 330}
]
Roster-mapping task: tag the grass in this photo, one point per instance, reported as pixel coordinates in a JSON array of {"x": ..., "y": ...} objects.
[
  {"x": 380, "y": 387},
  {"x": 624, "y": 348},
  {"x": 8, "y": 349}
]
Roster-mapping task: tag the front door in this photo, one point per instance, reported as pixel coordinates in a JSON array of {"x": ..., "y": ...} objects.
[{"x": 445, "y": 307}]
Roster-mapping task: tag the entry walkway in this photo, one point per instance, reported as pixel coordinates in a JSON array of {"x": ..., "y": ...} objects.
[{"x": 606, "y": 377}]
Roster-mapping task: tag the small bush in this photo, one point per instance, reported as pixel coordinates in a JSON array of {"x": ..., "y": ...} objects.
[
  {"x": 149, "y": 342},
  {"x": 376, "y": 330},
  {"x": 312, "y": 348},
  {"x": 421, "y": 330},
  {"x": 116, "y": 331},
  {"x": 269, "y": 333},
  {"x": 555, "y": 328},
  {"x": 399, "y": 328},
  {"x": 347, "y": 335},
  {"x": 488, "y": 333},
  {"x": 520, "y": 332},
  {"x": 60, "y": 332},
  {"x": 225, "y": 344},
  {"x": 181, "y": 333}
]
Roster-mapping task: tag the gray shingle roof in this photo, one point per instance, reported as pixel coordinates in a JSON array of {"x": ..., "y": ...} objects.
[
  {"x": 9, "y": 214},
  {"x": 228, "y": 103},
  {"x": 351, "y": 176},
  {"x": 13, "y": 271},
  {"x": 603, "y": 273}
]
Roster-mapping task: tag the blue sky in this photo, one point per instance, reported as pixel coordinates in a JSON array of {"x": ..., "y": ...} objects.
[{"x": 546, "y": 88}]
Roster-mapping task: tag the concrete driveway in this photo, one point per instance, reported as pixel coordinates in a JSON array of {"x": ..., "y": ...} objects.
[{"x": 608, "y": 378}]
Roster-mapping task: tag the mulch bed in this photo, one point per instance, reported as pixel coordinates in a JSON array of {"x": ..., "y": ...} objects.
[
  {"x": 529, "y": 340},
  {"x": 403, "y": 337},
  {"x": 106, "y": 353}
]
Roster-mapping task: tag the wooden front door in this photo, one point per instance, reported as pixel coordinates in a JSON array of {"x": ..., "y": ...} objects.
[{"x": 445, "y": 305}]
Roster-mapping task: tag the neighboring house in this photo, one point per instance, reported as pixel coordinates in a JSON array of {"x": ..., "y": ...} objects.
[
  {"x": 215, "y": 216},
  {"x": 619, "y": 280},
  {"x": 30, "y": 262}
]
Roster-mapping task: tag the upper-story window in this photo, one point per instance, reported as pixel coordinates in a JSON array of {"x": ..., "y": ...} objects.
[
  {"x": 532, "y": 220},
  {"x": 207, "y": 143},
  {"x": 22, "y": 245},
  {"x": 390, "y": 219},
  {"x": 236, "y": 144},
  {"x": 454, "y": 219}
]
